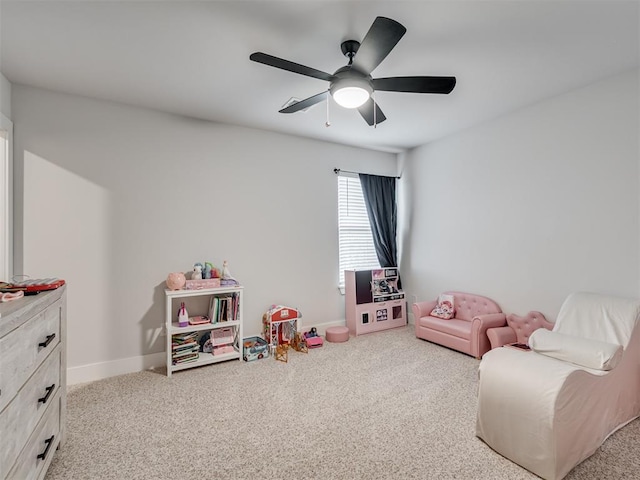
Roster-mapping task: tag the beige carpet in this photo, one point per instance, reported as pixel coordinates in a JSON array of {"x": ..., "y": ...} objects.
[{"x": 381, "y": 406}]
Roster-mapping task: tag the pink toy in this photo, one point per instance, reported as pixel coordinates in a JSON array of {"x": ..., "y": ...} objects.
[
  {"x": 176, "y": 281},
  {"x": 314, "y": 342}
]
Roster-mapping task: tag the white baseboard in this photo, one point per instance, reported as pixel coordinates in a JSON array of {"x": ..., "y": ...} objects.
[{"x": 98, "y": 371}]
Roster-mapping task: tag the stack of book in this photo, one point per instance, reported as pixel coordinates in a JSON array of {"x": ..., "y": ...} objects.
[
  {"x": 184, "y": 348},
  {"x": 224, "y": 308}
]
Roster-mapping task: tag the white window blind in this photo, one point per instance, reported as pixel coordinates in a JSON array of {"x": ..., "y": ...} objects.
[{"x": 356, "y": 243}]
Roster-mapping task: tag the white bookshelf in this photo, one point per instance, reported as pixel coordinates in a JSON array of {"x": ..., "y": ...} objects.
[{"x": 197, "y": 303}]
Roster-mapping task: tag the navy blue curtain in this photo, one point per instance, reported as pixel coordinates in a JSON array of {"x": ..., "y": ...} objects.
[{"x": 380, "y": 197}]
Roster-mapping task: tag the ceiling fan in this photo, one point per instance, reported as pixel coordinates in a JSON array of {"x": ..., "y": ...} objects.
[{"x": 352, "y": 86}]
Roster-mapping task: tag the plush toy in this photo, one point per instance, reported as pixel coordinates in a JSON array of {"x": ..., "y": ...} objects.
[
  {"x": 208, "y": 270},
  {"x": 197, "y": 272}
]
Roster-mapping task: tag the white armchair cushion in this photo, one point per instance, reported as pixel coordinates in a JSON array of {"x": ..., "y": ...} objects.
[
  {"x": 604, "y": 318},
  {"x": 581, "y": 351}
]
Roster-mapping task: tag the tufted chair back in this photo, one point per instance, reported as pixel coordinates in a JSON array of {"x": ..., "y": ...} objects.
[
  {"x": 525, "y": 326},
  {"x": 468, "y": 305}
]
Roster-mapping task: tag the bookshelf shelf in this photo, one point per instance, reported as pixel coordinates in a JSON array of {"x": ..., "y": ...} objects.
[{"x": 200, "y": 302}]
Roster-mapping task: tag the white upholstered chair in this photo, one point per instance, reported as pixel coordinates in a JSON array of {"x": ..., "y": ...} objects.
[{"x": 550, "y": 408}]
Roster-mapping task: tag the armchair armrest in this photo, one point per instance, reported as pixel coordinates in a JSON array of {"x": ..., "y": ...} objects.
[
  {"x": 480, "y": 323},
  {"x": 422, "y": 309},
  {"x": 499, "y": 336}
]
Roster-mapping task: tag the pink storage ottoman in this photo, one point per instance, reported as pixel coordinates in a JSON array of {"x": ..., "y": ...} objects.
[{"x": 337, "y": 334}]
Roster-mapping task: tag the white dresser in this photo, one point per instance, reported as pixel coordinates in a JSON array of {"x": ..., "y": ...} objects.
[{"x": 32, "y": 383}]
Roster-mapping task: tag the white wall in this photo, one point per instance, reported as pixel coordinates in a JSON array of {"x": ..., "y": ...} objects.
[
  {"x": 116, "y": 197},
  {"x": 532, "y": 206},
  {"x": 5, "y": 97},
  {"x": 6, "y": 183}
]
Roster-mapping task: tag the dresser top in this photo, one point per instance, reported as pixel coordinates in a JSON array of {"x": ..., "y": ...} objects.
[{"x": 16, "y": 312}]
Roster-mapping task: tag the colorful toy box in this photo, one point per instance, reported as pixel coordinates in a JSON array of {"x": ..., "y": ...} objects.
[{"x": 255, "y": 348}]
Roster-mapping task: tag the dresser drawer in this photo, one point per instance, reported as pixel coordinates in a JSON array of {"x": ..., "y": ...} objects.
[
  {"x": 21, "y": 416},
  {"x": 38, "y": 452},
  {"x": 25, "y": 348}
]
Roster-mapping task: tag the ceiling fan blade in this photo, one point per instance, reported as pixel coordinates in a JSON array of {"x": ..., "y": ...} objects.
[
  {"x": 290, "y": 66},
  {"x": 415, "y": 84},
  {"x": 383, "y": 35},
  {"x": 306, "y": 103},
  {"x": 366, "y": 111}
]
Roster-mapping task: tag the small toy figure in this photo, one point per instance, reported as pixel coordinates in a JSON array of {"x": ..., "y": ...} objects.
[
  {"x": 226, "y": 274},
  {"x": 282, "y": 352},
  {"x": 208, "y": 270},
  {"x": 197, "y": 272},
  {"x": 299, "y": 343},
  {"x": 311, "y": 333}
]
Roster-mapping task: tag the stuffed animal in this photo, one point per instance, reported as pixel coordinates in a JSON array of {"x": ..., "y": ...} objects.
[
  {"x": 208, "y": 270},
  {"x": 197, "y": 272}
]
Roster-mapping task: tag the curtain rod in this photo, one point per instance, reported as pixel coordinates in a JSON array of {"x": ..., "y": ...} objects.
[{"x": 338, "y": 170}]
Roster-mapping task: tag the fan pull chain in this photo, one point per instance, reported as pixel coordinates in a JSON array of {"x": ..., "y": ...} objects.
[{"x": 328, "y": 123}]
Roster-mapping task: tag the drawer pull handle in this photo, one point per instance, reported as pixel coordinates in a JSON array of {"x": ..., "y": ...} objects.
[
  {"x": 47, "y": 341},
  {"x": 49, "y": 442},
  {"x": 46, "y": 397}
]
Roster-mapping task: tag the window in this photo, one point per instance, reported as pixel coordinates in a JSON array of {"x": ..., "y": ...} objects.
[{"x": 355, "y": 240}]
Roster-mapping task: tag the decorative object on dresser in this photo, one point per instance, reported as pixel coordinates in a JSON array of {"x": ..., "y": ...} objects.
[
  {"x": 32, "y": 286},
  {"x": 33, "y": 382},
  {"x": 216, "y": 340},
  {"x": 373, "y": 301},
  {"x": 467, "y": 330}
]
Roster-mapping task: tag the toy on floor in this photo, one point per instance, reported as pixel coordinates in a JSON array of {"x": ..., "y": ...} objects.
[
  {"x": 282, "y": 352},
  {"x": 299, "y": 343},
  {"x": 312, "y": 338},
  {"x": 280, "y": 324}
]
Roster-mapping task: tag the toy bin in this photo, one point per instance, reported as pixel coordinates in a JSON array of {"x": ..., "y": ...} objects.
[{"x": 255, "y": 348}]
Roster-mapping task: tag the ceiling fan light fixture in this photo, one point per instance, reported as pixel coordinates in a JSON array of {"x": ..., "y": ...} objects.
[
  {"x": 350, "y": 90},
  {"x": 351, "y": 96}
]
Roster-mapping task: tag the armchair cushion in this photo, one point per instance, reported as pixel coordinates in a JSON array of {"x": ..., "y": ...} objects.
[{"x": 585, "y": 352}]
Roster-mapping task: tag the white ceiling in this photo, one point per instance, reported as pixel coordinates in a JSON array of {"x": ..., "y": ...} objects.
[{"x": 192, "y": 58}]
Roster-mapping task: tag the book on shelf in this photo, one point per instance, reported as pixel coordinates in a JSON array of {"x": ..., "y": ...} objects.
[
  {"x": 213, "y": 309},
  {"x": 184, "y": 346},
  {"x": 179, "y": 338},
  {"x": 187, "y": 358},
  {"x": 224, "y": 308},
  {"x": 186, "y": 353}
]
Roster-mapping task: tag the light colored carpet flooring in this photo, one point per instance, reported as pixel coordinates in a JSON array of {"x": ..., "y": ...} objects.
[{"x": 381, "y": 406}]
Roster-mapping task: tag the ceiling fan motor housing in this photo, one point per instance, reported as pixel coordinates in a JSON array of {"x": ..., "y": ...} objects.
[{"x": 350, "y": 77}]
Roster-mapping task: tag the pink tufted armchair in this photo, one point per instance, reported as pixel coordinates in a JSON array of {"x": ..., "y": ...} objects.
[
  {"x": 518, "y": 329},
  {"x": 467, "y": 331}
]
